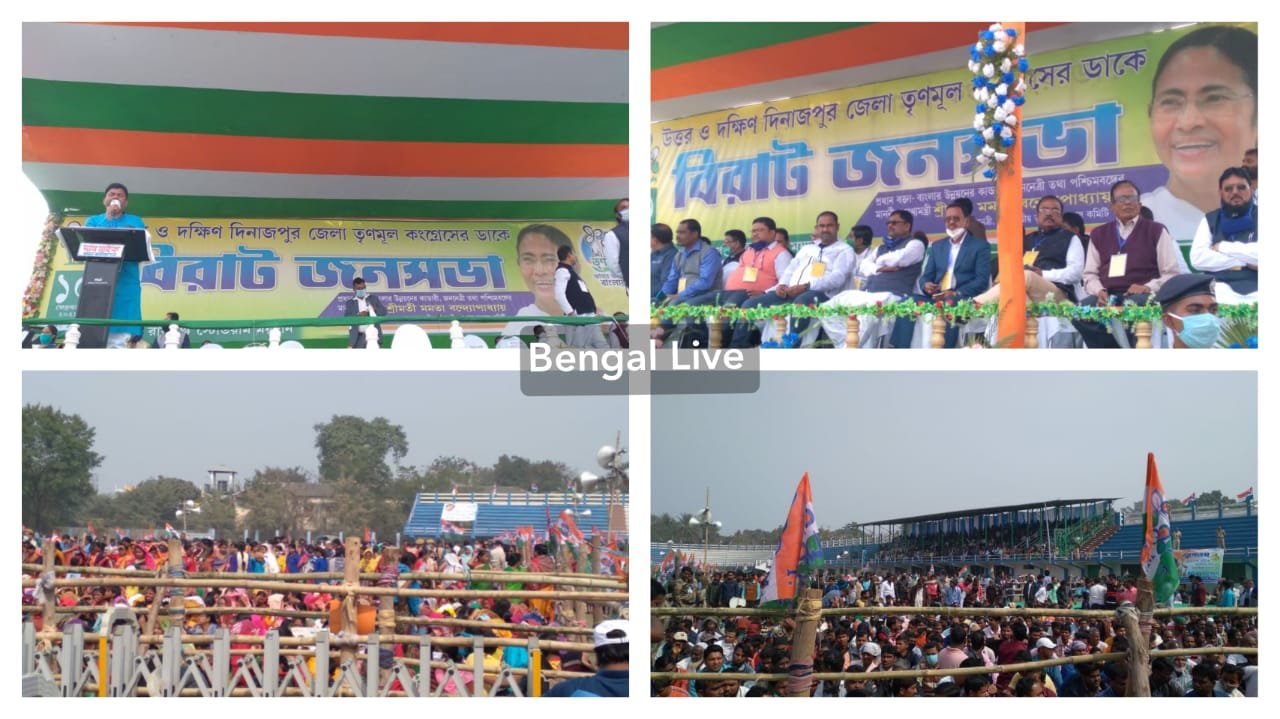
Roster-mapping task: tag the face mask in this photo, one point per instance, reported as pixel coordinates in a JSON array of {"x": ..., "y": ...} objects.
[
  {"x": 46, "y": 339},
  {"x": 931, "y": 658},
  {"x": 1199, "y": 331},
  {"x": 954, "y": 233},
  {"x": 623, "y": 214},
  {"x": 361, "y": 293}
]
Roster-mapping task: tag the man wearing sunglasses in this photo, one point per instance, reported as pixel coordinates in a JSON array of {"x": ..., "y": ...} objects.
[{"x": 1226, "y": 244}]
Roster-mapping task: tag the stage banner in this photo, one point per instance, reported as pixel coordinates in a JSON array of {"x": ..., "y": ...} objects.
[
  {"x": 216, "y": 269},
  {"x": 906, "y": 144},
  {"x": 459, "y": 511},
  {"x": 1203, "y": 563}
]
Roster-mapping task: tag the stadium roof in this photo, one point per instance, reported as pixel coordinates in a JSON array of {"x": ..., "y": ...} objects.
[{"x": 991, "y": 510}]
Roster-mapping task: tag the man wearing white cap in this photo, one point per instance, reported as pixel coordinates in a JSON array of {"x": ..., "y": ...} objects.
[
  {"x": 1046, "y": 649},
  {"x": 611, "y": 639}
]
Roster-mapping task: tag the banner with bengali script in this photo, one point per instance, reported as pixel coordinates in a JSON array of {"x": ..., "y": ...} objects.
[
  {"x": 905, "y": 144},
  {"x": 214, "y": 269},
  {"x": 1203, "y": 563}
]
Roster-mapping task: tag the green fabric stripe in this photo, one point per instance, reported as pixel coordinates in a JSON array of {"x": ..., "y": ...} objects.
[
  {"x": 147, "y": 205},
  {"x": 331, "y": 117},
  {"x": 684, "y": 42}
]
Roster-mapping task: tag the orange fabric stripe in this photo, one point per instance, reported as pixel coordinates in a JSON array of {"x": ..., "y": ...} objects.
[
  {"x": 852, "y": 47},
  {"x": 585, "y": 35},
  {"x": 318, "y": 157},
  {"x": 1013, "y": 282}
]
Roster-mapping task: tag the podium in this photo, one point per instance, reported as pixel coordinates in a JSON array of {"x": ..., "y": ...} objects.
[{"x": 102, "y": 250}]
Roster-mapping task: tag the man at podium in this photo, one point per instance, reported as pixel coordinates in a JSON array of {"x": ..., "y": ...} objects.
[{"x": 127, "y": 304}]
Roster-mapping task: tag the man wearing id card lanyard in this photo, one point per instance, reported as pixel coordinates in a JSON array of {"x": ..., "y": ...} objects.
[
  {"x": 955, "y": 269},
  {"x": 1128, "y": 260},
  {"x": 819, "y": 270},
  {"x": 1052, "y": 257}
]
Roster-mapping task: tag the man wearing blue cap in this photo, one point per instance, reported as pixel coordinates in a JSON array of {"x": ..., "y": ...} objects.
[{"x": 1190, "y": 310}]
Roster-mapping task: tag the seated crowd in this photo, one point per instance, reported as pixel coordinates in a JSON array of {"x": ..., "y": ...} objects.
[
  {"x": 1131, "y": 258},
  {"x": 848, "y": 643}
]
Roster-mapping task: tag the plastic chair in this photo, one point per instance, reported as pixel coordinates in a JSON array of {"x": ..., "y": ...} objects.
[
  {"x": 410, "y": 337},
  {"x": 474, "y": 342}
]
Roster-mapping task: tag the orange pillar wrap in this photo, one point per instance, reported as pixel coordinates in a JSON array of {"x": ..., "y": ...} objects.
[{"x": 1013, "y": 285}]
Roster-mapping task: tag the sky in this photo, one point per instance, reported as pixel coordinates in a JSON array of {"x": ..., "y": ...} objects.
[
  {"x": 181, "y": 424},
  {"x": 883, "y": 445}
]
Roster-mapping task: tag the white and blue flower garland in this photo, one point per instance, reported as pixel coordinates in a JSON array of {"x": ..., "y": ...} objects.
[{"x": 999, "y": 70}]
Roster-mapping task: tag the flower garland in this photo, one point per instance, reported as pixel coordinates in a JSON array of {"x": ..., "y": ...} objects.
[
  {"x": 40, "y": 272},
  {"x": 998, "y": 90},
  {"x": 955, "y": 312}
]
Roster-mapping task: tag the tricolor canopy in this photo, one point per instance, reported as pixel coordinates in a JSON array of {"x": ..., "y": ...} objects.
[{"x": 388, "y": 120}]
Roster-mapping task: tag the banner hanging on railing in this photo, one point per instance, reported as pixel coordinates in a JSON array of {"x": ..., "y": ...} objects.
[
  {"x": 906, "y": 144},
  {"x": 1203, "y": 563},
  {"x": 216, "y": 269}
]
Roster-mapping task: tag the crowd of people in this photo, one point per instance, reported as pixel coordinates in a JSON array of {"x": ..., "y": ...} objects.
[
  {"x": 1131, "y": 257},
  {"x": 283, "y": 556},
  {"x": 696, "y": 642}
]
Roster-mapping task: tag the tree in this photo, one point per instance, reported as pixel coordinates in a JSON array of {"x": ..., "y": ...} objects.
[
  {"x": 520, "y": 472},
  {"x": 57, "y": 466},
  {"x": 216, "y": 513},
  {"x": 356, "y": 449},
  {"x": 268, "y": 506},
  {"x": 153, "y": 502}
]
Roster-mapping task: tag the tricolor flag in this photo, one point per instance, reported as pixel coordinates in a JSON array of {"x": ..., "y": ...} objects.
[
  {"x": 1157, "y": 549},
  {"x": 493, "y": 492},
  {"x": 569, "y": 529},
  {"x": 1245, "y": 495},
  {"x": 798, "y": 550},
  {"x": 92, "y": 531},
  {"x": 454, "y": 491},
  {"x": 119, "y": 533},
  {"x": 168, "y": 528},
  {"x": 1191, "y": 498},
  {"x": 447, "y": 527}
]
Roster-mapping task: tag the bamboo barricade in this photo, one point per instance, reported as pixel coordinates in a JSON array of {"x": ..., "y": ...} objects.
[
  {"x": 562, "y": 578},
  {"x": 966, "y": 671},
  {"x": 350, "y": 640},
  {"x": 306, "y": 614},
  {"x": 799, "y": 681},
  {"x": 341, "y": 589}
]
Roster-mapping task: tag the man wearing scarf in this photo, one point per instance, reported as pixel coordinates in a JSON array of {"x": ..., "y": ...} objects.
[{"x": 1226, "y": 244}]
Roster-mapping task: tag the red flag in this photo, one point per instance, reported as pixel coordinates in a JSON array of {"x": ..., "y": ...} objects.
[{"x": 366, "y": 534}]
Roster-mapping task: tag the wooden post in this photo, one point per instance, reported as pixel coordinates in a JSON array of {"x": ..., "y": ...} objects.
[
  {"x": 1009, "y": 231},
  {"x": 1143, "y": 330},
  {"x": 597, "y": 611},
  {"x": 1139, "y": 651},
  {"x": 780, "y": 326},
  {"x": 715, "y": 332},
  {"x": 350, "y": 575},
  {"x": 48, "y": 620},
  {"x": 804, "y": 642},
  {"x": 939, "y": 338},
  {"x": 853, "y": 330},
  {"x": 1032, "y": 338}
]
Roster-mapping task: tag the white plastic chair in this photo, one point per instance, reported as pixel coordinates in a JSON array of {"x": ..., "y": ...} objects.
[
  {"x": 292, "y": 345},
  {"x": 410, "y": 337},
  {"x": 474, "y": 342}
]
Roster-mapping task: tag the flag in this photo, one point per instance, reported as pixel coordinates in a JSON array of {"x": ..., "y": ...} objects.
[
  {"x": 1157, "y": 549},
  {"x": 493, "y": 492},
  {"x": 367, "y": 538},
  {"x": 1191, "y": 498},
  {"x": 454, "y": 491},
  {"x": 168, "y": 528},
  {"x": 798, "y": 550},
  {"x": 91, "y": 529},
  {"x": 447, "y": 527},
  {"x": 119, "y": 533},
  {"x": 569, "y": 529},
  {"x": 1245, "y": 495}
]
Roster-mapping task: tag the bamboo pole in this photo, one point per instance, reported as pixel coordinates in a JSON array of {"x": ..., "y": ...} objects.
[
  {"x": 1139, "y": 652},
  {"x": 966, "y": 671},
  {"x": 353, "y": 640},
  {"x": 339, "y": 589},
  {"x": 950, "y": 611},
  {"x": 50, "y": 595},
  {"x": 800, "y": 679},
  {"x": 347, "y": 617},
  {"x": 303, "y": 614},
  {"x": 565, "y": 578}
]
